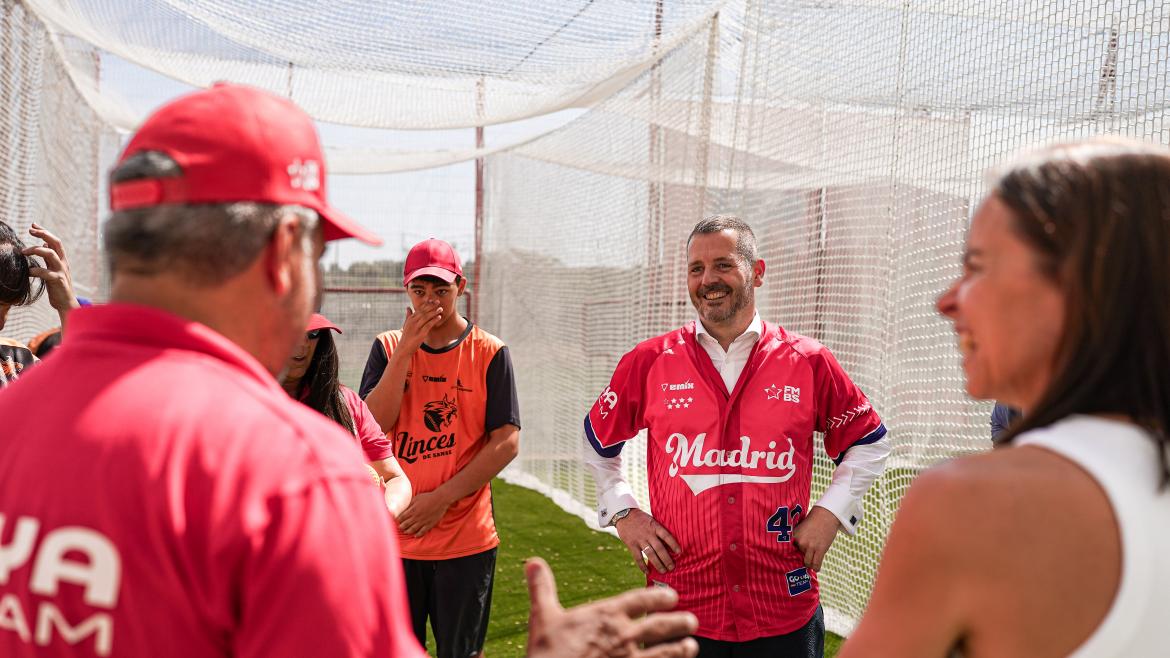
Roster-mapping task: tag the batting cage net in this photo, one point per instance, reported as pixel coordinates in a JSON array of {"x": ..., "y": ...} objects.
[
  {"x": 852, "y": 136},
  {"x": 54, "y": 152}
]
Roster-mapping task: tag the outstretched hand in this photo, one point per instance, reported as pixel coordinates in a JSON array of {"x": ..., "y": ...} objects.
[{"x": 630, "y": 625}]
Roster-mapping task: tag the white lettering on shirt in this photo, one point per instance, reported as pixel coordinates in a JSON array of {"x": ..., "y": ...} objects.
[
  {"x": 687, "y": 453},
  {"x": 71, "y": 555},
  {"x": 606, "y": 402},
  {"x": 100, "y": 576}
]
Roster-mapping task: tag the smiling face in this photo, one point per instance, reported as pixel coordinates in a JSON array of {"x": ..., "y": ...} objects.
[
  {"x": 1008, "y": 313},
  {"x": 721, "y": 283}
]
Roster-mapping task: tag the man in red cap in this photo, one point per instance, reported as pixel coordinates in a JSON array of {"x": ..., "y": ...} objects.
[
  {"x": 444, "y": 390},
  {"x": 160, "y": 494}
]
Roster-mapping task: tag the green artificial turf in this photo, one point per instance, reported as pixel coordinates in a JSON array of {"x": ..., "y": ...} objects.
[{"x": 588, "y": 565}]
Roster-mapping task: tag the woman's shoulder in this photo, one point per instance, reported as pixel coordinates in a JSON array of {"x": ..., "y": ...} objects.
[
  {"x": 1012, "y": 529},
  {"x": 351, "y": 398},
  {"x": 1016, "y": 481}
]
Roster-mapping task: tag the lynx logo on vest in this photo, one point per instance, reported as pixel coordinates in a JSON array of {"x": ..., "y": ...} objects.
[
  {"x": 439, "y": 413},
  {"x": 690, "y": 454},
  {"x": 437, "y": 416}
]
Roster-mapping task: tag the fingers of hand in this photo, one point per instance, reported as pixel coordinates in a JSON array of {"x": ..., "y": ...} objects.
[
  {"x": 52, "y": 260},
  {"x": 814, "y": 562},
  {"x": 51, "y": 241},
  {"x": 542, "y": 587},
  {"x": 667, "y": 538},
  {"x": 663, "y": 627},
  {"x": 639, "y": 557},
  {"x": 685, "y": 648},
  {"x": 638, "y": 602},
  {"x": 638, "y": 541},
  {"x": 812, "y": 557},
  {"x": 658, "y": 555},
  {"x": 43, "y": 273}
]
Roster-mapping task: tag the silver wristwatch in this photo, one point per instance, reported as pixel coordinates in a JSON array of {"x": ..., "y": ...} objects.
[{"x": 619, "y": 515}]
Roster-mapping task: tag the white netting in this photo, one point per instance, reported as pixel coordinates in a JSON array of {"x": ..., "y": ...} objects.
[
  {"x": 851, "y": 135},
  {"x": 398, "y": 64},
  {"x": 53, "y": 153}
]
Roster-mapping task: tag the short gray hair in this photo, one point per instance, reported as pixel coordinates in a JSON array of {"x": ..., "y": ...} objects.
[
  {"x": 206, "y": 243},
  {"x": 745, "y": 239}
]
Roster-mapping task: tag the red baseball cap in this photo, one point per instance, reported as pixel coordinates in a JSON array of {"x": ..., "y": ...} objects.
[
  {"x": 235, "y": 143},
  {"x": 318, "y": 321},
  {"x": 432, "y": 257}
]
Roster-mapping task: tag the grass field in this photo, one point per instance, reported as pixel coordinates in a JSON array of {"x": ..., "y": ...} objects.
[{"x": 588, "y": 565}]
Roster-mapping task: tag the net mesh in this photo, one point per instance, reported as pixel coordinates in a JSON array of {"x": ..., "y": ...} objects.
[
  {"x": 851, "y": 135},
  {"x": 53, "y": 153}
]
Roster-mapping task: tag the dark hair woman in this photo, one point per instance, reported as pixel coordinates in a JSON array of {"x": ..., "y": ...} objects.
[
  {"x": 312, "y": 378},
  {"x": 1056, "y": 544}
]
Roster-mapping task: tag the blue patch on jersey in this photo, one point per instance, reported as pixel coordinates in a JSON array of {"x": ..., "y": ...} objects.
[
  {"x": 799, "y": 581},
  {"x": 612, "y": 451}
]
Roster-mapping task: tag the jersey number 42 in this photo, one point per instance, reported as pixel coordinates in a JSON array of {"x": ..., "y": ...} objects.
[{"x": 782, "y": 522}]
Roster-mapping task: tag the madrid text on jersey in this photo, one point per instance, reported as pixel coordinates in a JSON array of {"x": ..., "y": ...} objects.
[
  {"x": 690, "y": 453},
  {"x": 66, "y": 558}
]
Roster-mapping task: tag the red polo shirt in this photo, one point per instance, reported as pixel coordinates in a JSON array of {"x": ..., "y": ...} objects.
[{"x": 160, "y": 495}]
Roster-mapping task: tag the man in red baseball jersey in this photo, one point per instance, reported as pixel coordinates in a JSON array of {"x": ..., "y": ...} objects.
[{"x": 730, "y": 404}]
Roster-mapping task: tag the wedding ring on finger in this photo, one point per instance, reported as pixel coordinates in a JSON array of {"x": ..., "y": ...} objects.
[{"x": 644, "y": 558}]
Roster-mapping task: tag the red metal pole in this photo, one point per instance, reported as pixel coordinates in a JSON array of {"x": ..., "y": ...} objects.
[{"x": 473, "y": 303}]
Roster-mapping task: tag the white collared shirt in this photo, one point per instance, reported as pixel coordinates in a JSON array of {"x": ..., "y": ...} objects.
[
  {"x": 859, "y": 467},
  {"x": 730, "y": 363}
]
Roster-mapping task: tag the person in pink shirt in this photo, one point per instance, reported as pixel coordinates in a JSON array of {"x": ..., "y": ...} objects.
[
  {"x": 311, "y": 377},
  {"x": 160, "y": 494}
]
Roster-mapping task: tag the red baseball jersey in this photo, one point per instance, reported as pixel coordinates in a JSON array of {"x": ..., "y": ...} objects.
[
  {"x": 161, "y": 495},
  {"x": 730, "y": 474}
]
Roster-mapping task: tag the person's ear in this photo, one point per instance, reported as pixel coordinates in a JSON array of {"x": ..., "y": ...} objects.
[
  {"x": 282, "y": 256},
  {"x": 758, "y": 273},
  {"x": 462, "y": 286}
]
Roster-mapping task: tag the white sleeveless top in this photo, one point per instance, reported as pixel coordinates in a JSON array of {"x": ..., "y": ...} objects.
[{"x": 1123, "y": 459}]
